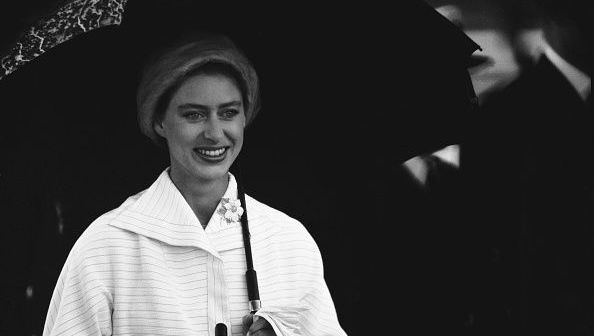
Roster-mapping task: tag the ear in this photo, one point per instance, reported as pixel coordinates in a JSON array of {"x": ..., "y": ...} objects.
[{"x": 158, "y": 127}]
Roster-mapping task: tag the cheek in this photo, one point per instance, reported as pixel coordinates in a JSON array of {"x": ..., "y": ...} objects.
[
  {"x": 235, "y": 131},
  {"x": 238, "y": 135},
  {"x": 179, "y": 139},
  {"x": 183, "y": 132}
]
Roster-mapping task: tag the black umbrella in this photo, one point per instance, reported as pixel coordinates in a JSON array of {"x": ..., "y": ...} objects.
[
  {"x": 412, "y": 43},
  {"x": 346, "y": 92},
  {"x": 391, "y": 83}
]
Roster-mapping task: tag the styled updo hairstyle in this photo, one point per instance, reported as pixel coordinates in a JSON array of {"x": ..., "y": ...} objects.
[{"x": 198, "y": 53}]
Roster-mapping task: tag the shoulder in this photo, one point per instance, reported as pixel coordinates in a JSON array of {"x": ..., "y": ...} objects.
[
  {"x": 100, "y": 237},
  {"x": 283, "y": 241},
  {"x": 276, "y": 222},
  {"x": 259, "y": 211}
]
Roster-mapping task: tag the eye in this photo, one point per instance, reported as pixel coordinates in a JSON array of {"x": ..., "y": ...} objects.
[
  {"x": 229, "y": 113},
  {"x": 194, "y": 115}
]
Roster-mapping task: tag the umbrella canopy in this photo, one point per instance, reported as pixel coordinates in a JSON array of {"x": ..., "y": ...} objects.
[{"x": 389, "y": 83}]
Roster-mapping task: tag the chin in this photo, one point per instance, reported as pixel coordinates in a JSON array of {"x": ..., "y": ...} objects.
[{"x": 210, "y": 173}]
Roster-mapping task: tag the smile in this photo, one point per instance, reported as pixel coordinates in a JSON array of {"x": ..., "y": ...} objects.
[{"x": 211, "y": 154}]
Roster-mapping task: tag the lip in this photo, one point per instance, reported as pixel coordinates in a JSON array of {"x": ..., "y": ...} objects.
[{"x": 210, "y": 158}]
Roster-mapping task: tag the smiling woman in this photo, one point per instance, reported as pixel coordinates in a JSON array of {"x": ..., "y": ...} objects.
[
  {"x": 203, "y": 126},
  {"x": 177, "y": 258}
]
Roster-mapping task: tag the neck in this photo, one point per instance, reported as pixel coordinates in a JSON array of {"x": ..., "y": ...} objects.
[{"x": 203, "y": 196}]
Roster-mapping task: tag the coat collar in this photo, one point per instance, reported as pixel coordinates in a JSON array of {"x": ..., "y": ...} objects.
[{"x": 162, "y": 213}]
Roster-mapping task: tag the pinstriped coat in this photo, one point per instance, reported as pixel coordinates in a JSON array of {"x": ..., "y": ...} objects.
[{"x": 149, "y": 268}]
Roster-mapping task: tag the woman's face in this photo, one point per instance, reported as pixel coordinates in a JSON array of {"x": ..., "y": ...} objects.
[{"x": 203, "y": 126}]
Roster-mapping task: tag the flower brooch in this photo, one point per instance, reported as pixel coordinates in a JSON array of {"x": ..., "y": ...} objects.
[{"x": 230, "y": 210}]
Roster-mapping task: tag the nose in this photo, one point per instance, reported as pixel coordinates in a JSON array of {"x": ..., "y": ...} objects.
[{"x": 213, "y": 130}]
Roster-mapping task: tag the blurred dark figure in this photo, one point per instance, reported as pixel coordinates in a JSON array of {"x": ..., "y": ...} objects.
[{"x": 531, "y": 169}]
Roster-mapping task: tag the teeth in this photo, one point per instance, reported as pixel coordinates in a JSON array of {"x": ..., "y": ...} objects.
[{"x": 212, "y": 152}]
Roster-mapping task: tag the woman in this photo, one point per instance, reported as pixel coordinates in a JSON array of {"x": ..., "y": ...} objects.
[{"x": 171, "y": 259}]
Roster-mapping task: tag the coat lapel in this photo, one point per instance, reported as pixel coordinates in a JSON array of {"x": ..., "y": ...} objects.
[{"x": 162, "y": 213}]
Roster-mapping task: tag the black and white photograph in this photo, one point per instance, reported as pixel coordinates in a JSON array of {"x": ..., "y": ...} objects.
[{"x": 187, "y": 167}]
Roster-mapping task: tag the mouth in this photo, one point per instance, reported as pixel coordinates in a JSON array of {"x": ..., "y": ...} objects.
[{"x": 211, "y": 154}]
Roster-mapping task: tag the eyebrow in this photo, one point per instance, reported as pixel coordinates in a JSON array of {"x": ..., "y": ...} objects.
[{"x": 236, "y": 103}]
